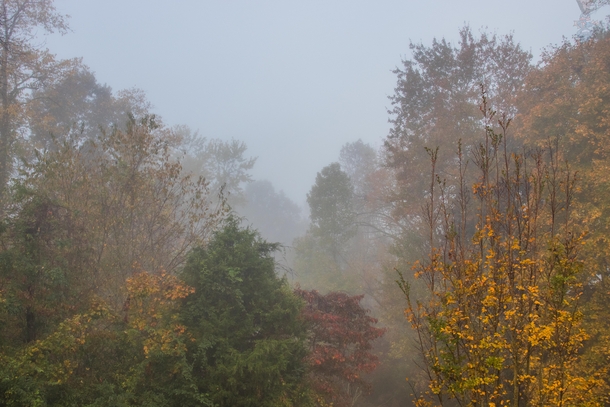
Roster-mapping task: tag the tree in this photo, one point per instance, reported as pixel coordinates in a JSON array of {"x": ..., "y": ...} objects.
[
  {"x": 151, "y": 347},
  {"x": 320, "y": 255},
  {"x": 132, "y": 199},
  {"x": 221, "y": 162},
  {"x": 567, "y": 99},
  {"x": 40, "y": 372},
  {"x": 500, "y": 322},
  {"x": 248, "y": 346},
  {"x": 45, "y": 269},
  {"x": 367, "y": 250},
  {"x": 340, "y": 342},
  {"x": 77, "y": 106},
  {"x": 134, "y": 357},
  {"x": 436, "y": 103},
  {"x": 83, "y": 323},
  {"x": 24, "y": 67},
  {"x": 331, "y": 208},
  {"x": 348, "y": 238}
]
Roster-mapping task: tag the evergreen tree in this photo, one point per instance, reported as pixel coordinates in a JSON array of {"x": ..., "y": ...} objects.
[{"x": 248, "y": 346}]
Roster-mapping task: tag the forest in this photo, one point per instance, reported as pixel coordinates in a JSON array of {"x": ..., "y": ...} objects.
[{"x": 463, "y": 263}]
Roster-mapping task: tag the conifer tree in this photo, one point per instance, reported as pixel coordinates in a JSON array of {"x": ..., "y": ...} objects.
[{"x": 248, "y": 346}]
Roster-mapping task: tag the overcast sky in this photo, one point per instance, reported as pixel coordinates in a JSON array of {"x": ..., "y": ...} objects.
[{"x": 295, "y": 80}]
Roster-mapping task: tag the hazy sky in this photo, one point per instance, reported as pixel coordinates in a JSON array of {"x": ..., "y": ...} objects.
[{"x": 295, "y": 80}]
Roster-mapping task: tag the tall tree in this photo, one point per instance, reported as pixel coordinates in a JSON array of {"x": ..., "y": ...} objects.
[
  {"x": 500, "y": 322},
  {"x": 567, "y": 100},
  {"x": 24, "y": 67},
  {"x": 77, "y": 106},
  {"x": 320, "y": 255},
  {"x": 436, "y": 103},
  {"x": 84, "y": 221},
  {"x": 331, "y": 207}
]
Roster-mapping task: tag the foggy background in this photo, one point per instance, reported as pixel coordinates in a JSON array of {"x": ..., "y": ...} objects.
[{"x": 294, "y": 80}]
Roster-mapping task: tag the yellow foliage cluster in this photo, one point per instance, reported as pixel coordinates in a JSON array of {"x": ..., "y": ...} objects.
[{"x": 149, "y": 310}]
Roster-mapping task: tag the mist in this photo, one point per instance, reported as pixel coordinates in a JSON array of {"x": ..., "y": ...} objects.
[
  {"x": 347, "y": 204},
  {"x": 294, "y": 82}
]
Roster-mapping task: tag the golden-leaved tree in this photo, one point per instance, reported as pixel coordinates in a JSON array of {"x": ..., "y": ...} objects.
[
  {"x": 568, "y": 99},
  {"x": 500, "y": 322}
]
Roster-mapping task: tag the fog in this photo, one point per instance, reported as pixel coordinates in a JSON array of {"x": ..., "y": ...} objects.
[
  {"x": 294, "y": 80},
  {"x": 349, "y": 204}
]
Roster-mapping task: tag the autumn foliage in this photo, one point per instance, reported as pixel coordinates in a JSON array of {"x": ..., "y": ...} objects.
[
  {"x": 340, "y": 341},
  {"x": 126, "y": 280},
  {"x": 501, "y": 322}
]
